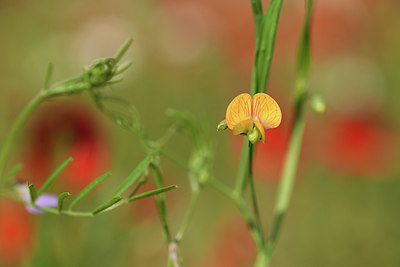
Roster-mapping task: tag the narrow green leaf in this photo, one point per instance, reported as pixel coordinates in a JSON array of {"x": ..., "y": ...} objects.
[
  {"x": 61, "y": 200},
  {"x": 123, "y": 50},
  {"x": 123, "y": 67},
  {"x": 135, "y": 174},
  {"x": 32, "y": 193},
  {"x": 106, "y": 205},
  {"x": 89, "y": 188},
  {"x": 153, "y": 192},
  {"x": 54, "y": 176},
  {"x": 265, "y": 46},
  {"x": 304, "y": 52},
  {"x": 160, "y": 200},
  {"x": 12, "y": 172},
  {"x": 48, "y": 76}
]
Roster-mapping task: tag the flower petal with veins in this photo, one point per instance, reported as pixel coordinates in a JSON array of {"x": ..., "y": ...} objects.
[
  {"x": 238, "y": 110},
  {"x": 266, "y": 111}
]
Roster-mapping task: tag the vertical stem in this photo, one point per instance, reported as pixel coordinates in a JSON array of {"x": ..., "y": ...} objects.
[
  {"x": 289, "y": 172},
  {"x": 14, "y": 130},
  {"x": 253, "y": 193},
  {"x": 243, "y": 168},
  {"x": 160, "y": 200},
  {"x": 258, "y": 13},
  {"x": 262, "y": 259}
]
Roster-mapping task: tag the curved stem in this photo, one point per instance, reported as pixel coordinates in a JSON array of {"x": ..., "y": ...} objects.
[{"x": 14, "y": 130}]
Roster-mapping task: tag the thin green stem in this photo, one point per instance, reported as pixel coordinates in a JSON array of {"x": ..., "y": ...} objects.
[
  {"x": 262, "y": 259},
  {"x": 14, "y": 130},
  {"x": 136, "y": 188},
  {"x": 243, "y": 168},
  {"x": 160, "y": 200},
  {"x": 189, "y": 214},
  {"x": 289, "y": 172},
  {"x": 258, "y": 13},
  {"x": 166, "y": 137},
  {"x": 253, "y": 193}
]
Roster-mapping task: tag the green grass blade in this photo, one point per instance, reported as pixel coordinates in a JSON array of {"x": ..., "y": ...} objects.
[
  {"x": 89, "y": 188},
  {"x": 61, "y": 200},
  {"x": 135, "y": 174},
  {"x": 153, "y": 192},
  {"x": 12, "y": 173},
  {"x": 265, "y": 46},
  {"x": 54, "y": 176},
  {"x": 32, "y": 193},
  {"x": 106, "y": 205},
  {"x": 48, "y": 76},
  {"x": 122, "y": 50}
]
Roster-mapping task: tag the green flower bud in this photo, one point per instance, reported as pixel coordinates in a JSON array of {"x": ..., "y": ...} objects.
[
  {"x": 222, "y": 126},
  {"x": 318, "y": 104}
]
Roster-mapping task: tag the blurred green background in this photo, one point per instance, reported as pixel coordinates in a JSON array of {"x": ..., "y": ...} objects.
[{"x": 196, "y": 56}]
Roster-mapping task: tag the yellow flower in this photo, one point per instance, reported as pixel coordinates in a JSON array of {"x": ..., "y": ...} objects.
[{"x": 251, "y": 116}]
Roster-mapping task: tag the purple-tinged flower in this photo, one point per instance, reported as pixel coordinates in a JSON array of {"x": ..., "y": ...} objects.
[{"x": 45, "y": 200}]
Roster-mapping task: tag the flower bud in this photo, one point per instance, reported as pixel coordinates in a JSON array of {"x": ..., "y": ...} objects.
[
  {"x": 318, "y": 104},
  {"x": 222, "y": 126}
]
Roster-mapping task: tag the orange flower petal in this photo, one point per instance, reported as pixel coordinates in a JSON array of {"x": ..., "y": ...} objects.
[
  {"x": 266, "y": 111},
  {"x": 238, "y": 110}
]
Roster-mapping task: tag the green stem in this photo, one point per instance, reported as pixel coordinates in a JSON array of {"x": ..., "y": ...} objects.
[
  {"x": 160, "y": 200},
  {"x": 289, "y": 172},
  {"x": 243, "y": 168},
  {"x": 258, "y": 13},
  {"x": 262, "y": 259},
  {"x": 14, "y": 130},
  {"x": 192, "y": 205},
  {"x": 253, "y": 193}
]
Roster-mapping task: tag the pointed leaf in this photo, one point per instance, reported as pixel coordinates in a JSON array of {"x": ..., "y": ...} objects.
[
  {"x": 153, "y": 192},
  {"x": 89, "y": 188},
  {"x": 61, "y": 200},
  {"x": 123, "y": 50},
  {"x": 48, "y": 76},
  {"x": 53, "y": 176},
  {"x": 32, "y": 193},
  {"x": 106, "y": 205},
  {"x": 135, "y": 174}
]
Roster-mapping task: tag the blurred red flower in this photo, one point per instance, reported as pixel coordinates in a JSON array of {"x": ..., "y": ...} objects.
[
  {"x": 62, "y": 131},
  {"x": 359, "y": 145},
  {"x": 16, "y": 233}
]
